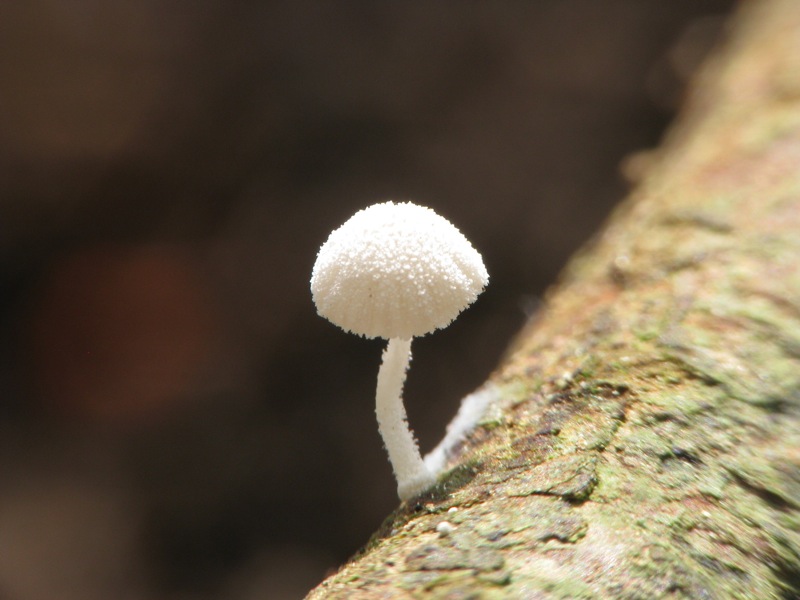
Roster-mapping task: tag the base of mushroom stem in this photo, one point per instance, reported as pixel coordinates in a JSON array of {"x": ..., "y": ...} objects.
[{"x": 415, "y": 486}]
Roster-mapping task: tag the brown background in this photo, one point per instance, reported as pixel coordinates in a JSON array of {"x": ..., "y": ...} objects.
[{"x": 175, "y": 420}]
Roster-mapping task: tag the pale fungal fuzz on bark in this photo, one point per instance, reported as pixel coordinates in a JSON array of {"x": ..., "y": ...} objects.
[
  {"x": 474, "y": 407},
  {"x": 396, "y": 271}
]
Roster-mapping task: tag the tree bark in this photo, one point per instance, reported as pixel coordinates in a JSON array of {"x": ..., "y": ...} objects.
[{"x": 644, "y": 440}]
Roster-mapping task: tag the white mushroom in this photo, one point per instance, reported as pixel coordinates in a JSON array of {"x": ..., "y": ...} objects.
[{"x": 395, "y": 271}]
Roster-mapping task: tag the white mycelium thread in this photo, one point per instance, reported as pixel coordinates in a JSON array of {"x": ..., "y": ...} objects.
[
  {"x": 472, "y": 410},
  {"x": 395, "y": 271}
]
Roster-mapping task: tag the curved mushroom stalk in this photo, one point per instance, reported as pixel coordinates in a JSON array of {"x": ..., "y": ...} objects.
[{"x": 413, "y": 476}]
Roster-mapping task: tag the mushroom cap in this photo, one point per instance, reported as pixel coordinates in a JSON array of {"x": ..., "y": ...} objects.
[{"x": 396, "y": 270}]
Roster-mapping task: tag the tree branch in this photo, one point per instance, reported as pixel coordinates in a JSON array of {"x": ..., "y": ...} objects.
[{"x": 645, "y": 439}]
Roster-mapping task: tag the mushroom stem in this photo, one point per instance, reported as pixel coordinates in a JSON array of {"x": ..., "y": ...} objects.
[{"x": 413, "y": 477}]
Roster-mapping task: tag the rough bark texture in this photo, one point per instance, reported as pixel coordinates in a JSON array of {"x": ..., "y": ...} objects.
[{"x": 645, "y": 441}]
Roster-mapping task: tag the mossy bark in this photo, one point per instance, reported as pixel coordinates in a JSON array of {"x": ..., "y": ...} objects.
[{"x": 646, "y": 438}]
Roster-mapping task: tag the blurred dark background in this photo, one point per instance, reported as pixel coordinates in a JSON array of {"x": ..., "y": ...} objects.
[{"x": 175, "y": 420}]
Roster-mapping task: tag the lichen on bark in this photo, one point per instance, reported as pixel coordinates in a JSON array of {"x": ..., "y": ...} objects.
[{"x": 648, "y": 437}]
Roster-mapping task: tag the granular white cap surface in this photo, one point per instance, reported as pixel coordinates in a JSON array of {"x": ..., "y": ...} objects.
[{"x": 396, "y": 270}]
